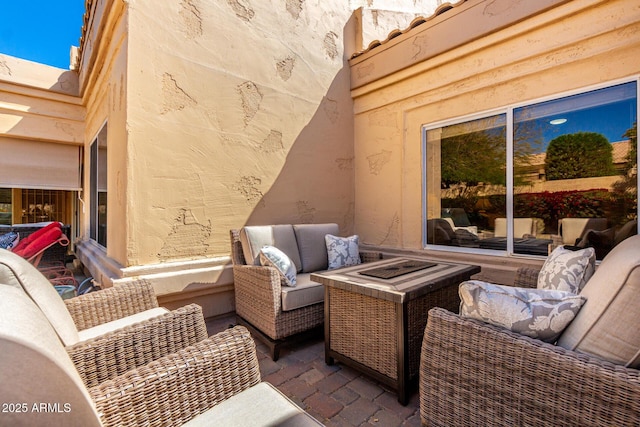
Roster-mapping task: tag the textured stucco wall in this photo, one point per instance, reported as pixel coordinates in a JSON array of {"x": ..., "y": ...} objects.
[
  {"x": 103, "y": 82},
  {"x": 570, "y": 46},
  {"x": 241, "y": 114},
  {"x": 219, "y": 114},
  {"x": 39, "y": 102}
]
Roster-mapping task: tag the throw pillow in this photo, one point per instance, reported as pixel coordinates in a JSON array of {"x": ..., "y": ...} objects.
[
  {"x": 537, "y": 313},
  {"x": 274, "y": 257},
  {"x": 342, "y": 251},
  {"x": 567, "y": 270},
  {"x": 9, "y": 241}
]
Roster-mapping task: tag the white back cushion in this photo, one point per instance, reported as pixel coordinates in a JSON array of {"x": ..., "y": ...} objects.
[
  {"x": 17, "y": 272},
  {"x": 608, "y": 325},
  {"x": 255, "y": 237},
  {"x": 36, "y": 369}
]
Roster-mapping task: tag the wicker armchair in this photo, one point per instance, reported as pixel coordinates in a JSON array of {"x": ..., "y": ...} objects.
[
  {"x": 259, "y": 306},
  {"x": 214, "y": 382},
  {"x": 108, "y": 332},
  {"x": 476, "y": 374}
]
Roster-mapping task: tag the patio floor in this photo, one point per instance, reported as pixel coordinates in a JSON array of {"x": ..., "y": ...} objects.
[{"x": 335, "y": 395}]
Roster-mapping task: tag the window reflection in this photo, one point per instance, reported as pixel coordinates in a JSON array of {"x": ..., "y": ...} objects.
[
  {"x": 574, "y": 176},
  {"x": 466, "y": 181},
  {"x": 579, "y": 181}
]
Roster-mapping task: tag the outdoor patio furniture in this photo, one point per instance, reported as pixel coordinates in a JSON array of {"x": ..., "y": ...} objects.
[
  {"x": 374, "y": 320},
  {"x": 52, "y": 254},
  {"x": 35, "y": 245},
  {"x": 605, "y": 240},
  {"x": 274, "y": 312},
  {"x": 573, "y": 229},
  {"x": 527, "y": 245},
  {"x": 473, "y": 373},
  {"x": 215, "y": 382},
  {"x": 458, "y": 219},
  {"x": 110, "y": 331},
  {"x": 522, "y": 227},
  {"x": 440, "y": 232}
]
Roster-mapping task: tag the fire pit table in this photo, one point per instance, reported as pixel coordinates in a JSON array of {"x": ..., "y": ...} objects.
[{"x": 375, "y": 314}]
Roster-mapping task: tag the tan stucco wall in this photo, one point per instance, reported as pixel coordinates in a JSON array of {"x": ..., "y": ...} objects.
[
  {"x": 570, "y": 46},
  {"x": 219, "y": 114},
  {"x": 39, "y": 103},
  {"x": 240, "y": 114},
  {"x": 103, "y": 83}
]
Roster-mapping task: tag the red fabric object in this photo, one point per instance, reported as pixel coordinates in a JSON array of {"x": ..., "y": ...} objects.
[{"x": 38, "y": 240}]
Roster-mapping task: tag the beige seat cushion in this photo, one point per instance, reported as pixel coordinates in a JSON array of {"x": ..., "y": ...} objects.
[
  {"x": 521, "y": 226},
  {"x": 260, "y": 405},
  {"x": 572, "y": 229},
  {"x": 312, "y": 246},
  {"x": 608, "y": 325},
  {"x": 32, "y": 352},
  {"x": 305, "y": 293},
  {"x": 96, "y": 331},
  {"x": 17, "y": 272},
  {"x": 253, "y": 238}
]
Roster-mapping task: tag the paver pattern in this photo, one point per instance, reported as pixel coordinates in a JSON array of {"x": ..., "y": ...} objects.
[{"x": 335, "y": 395}]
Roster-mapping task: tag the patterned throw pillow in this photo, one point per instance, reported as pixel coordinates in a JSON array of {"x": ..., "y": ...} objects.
[
  {"x": 537, "y": 313},
  {"x": 342, "y": 251},
  {"x": 274, "y": 257},
  {"x": 9, "y": 240},
  {"x": 567, "y": 270}
]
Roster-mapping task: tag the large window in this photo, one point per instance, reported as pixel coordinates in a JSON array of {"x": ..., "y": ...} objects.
[
  {"x": 529, "y": 178},
  {"x": 98, "y": 188}
]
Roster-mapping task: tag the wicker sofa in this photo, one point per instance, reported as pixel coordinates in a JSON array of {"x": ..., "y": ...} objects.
[
  {"x": 108, "y": 332},
  {"x": 215, "y": 382},
  {"x": 275, "y": 313},
  {"x": 473, "y": 373}
]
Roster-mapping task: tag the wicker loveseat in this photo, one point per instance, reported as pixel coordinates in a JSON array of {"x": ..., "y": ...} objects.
[
  {"x": 216, "y": 382},
  {"x": 476, "y": 374},
  {"x": 276, "y": 313}
]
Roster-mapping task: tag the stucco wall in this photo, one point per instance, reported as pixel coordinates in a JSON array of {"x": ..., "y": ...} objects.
[
  {"x": 103, "y": 87},
  {"x": 219, "y": 114},
  {"x": 240, "y": 114},
  {"x": 39, "y": 102},
  {"x": 570, "y": 46}
]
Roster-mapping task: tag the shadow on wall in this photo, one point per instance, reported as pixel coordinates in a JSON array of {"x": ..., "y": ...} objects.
[{"x": 316, "y": 183}]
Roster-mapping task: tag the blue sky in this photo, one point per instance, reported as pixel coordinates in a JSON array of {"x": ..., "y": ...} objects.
[{"x": 41, "y": 30}]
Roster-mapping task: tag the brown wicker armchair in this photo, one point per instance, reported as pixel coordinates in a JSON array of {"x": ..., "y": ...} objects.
[
  {"x": 214, "y": 382},
  {"x": 108, "y": 332},
  {"x": 258, "y": 301},
  {"x": 476, "y": 374}
]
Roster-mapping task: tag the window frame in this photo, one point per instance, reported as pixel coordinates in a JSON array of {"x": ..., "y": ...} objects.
[
  {"x": 94, "y": 186},
  {"x": 508, "y": 110}
]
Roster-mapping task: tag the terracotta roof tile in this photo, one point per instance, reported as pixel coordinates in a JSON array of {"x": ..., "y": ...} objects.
[{"x": 415, "y": 23}]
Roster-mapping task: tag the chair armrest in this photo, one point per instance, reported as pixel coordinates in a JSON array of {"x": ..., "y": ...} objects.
[
  {"x": 470, "y": 371},
  {"x": 526, "y": 277},
  {"x": 370, "y": 256},
  {"x": 121, "y": 300},
  {"x": 262, "y": 284},
  {"x": 117, "y": 352},
  {"x": 176, "y": 388}
]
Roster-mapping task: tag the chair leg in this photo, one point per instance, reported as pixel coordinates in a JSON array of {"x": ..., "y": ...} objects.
[{"x": 275, "y": 345}]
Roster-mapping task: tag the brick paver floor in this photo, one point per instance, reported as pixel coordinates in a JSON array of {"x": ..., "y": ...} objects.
[{"x": 335, "y": 395}]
